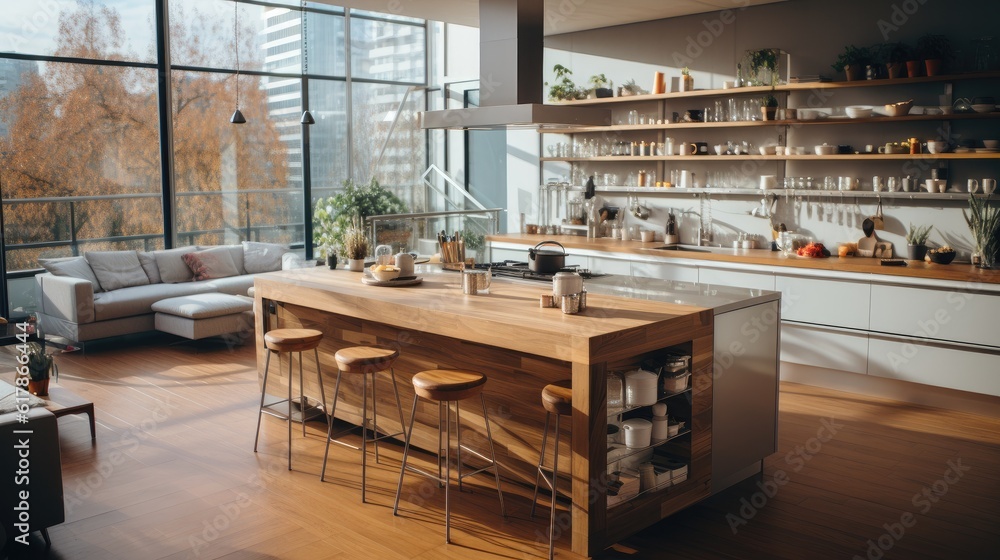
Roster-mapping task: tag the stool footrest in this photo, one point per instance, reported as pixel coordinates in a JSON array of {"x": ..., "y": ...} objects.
[
  {"x": 333, "y": 438},
  {"x": 297, "y": 414}
]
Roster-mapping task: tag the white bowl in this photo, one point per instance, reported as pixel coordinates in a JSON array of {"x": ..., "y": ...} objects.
[
  {"x": 808, "y": 114},
  {"x": 992, "y": 144},
  {"x": 825, "y": 150},
  {"x": 767, "y": 150},
  {"x": 384, "y": 275},
  {"x": 984, "y": 107},
  {"x": 858, "y": 111},
  {"x": 898, "y": 109},
  {"x": 937, "y": 147}
]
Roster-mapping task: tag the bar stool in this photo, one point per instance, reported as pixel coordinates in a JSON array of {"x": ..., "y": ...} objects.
[
  {"x": 366, "y": 361},
  {"x": 292, "y": 341},
  {"x": 446, "y": 387},
  {"x": 557, "y": 398}
]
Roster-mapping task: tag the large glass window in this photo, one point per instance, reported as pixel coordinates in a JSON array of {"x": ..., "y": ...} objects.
[{"x": 382, "y": 50}]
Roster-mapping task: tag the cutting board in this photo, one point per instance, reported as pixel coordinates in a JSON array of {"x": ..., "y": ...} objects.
[{"x": 866, "y": 246}]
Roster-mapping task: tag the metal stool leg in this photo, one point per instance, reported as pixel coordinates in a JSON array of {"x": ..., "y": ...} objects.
[
  {"x": 493, "y": 457},
  {"x": 555, "y": 482},
  {"x": 290, "y": 410},
  {"x": 302, "y": 397},
  {"x": 263, "y": 391},
  {"x": 319, "y": 379},
  {"x": 329, "y": 429},
  {"x": 374, "y": 376},
  {"x": 458, "y": 447},
  {"x": 447, "y": 480},
  {"x": 406, "y": 453},
  {"x": 541, "y": 461},
  {"x": 364, "y": 434}
]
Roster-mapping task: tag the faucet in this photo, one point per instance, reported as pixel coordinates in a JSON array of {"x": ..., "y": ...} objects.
[{"x": 704, "y": 235}]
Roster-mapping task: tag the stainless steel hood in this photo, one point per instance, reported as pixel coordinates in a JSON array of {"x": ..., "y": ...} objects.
[{"x": 510, "y": 76}]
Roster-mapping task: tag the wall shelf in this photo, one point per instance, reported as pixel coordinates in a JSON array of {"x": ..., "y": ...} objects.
[
  {"x": 755, "y": 193},
  {"x": 805, "y": 157}
]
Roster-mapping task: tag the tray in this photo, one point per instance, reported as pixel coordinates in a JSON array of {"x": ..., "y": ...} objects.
[{"x": 395, "y": 283}]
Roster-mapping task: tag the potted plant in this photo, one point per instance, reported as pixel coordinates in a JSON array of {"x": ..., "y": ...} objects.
[
  {"x": 333, "y": 215},
  {"x": 40, "y": 367},
  {"x": 687, "y": 81},
  {"x": 630, "y": 88},
  {"x": 564, "y": 89},
  {"x": 769, "y": 106},
  {"x": 330, "y": 255},
  {"x": 763, "y": 64},
  {"x": 356, "y": 247},
  {"x": 916, "y": 242},
  {"x": 892, "y": 57},
  {"x": 984, "y": 224},
  {"x": 935, "y": 51},
  {"x": 602, "y": 86},
  {"x": 852, "y": 62}
]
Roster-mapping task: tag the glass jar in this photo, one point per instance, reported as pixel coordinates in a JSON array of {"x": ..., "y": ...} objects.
[{"x": 616, "y": 395}]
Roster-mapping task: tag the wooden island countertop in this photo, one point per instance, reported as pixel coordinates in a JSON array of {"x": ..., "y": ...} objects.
[{"x": 521, "y": 347}]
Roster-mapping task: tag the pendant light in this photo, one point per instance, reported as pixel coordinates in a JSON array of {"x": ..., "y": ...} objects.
[
  {"x": 307, "y": 117},
  {"x": 237, "y": 117}
]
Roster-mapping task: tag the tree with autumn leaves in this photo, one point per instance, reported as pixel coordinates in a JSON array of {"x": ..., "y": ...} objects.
[{"x": 92, "y": 130}]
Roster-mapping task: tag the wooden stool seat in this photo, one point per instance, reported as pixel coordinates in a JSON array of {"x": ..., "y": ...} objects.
[
  {"x": 292, "y": 340},
  {"x": 557, "y": 398},
  {"x": 365, "y": 359},
  {"x": 448, "y": 384}
]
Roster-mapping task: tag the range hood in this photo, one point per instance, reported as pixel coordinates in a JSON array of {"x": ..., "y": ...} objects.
[{"x": 510, "y": 76}]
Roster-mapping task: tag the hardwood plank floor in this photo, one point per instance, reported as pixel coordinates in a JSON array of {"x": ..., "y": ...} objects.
[{"x": 173, "y": 475}]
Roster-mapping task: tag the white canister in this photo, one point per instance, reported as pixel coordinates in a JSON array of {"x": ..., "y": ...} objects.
[
  {"x": 660, "y": 428},
  {"x": 659, "y": 409},
  {"x": 566, "y": 283},
  {"x": 640, "y": 388},
  {"x": 404, "y": 262},
  {"x": 638, "y": 432}
]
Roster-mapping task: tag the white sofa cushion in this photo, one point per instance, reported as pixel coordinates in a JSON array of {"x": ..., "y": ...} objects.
[
  {"x": 235, "y": 251},
  {"x": 117, "y": 269},
  {"x": 73, "y": 267},
  {"x": 139, "y": 300},
  {"x": 170, "y": 263},
  {"x": 148, "y": 262},
  {"x": 203, "y": 306},
  {"x": 262, "y": 257},
  {"x": 211, "y": 263}
]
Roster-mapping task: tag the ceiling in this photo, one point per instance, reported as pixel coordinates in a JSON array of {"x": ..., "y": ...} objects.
[{"x": 561, "y": 16}]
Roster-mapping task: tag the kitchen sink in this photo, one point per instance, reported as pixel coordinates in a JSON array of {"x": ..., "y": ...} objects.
[{"x": 688, "y": 248}]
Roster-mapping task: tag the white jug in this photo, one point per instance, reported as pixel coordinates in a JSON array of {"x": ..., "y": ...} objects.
[{"x": 404, "y": 262}]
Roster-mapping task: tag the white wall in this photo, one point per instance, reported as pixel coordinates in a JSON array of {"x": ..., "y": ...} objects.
[{"x": 814, "y": 32}]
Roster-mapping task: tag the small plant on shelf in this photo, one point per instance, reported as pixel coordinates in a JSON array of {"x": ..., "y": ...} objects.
[
  {"x": 602, "y": 86},
  {"x": 763, "y": 67},
  {"x": 630, "y": 88},
  {"x": 916, "y": 240},
  {"x": 356, "y": 246},
  {"x": 852, "y": 62},
  {"x": 39, "y": 366},
  {"x": 936, "y": 51},
  {"x": 687, "y": 81},
  {"x": 894, "y": 57},
  {"x": 564, "y": 88},
  {"x": 984, "y": 224}
]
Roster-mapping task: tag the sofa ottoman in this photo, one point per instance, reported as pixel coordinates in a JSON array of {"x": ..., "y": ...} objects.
[{"x": 200, "y": 316}]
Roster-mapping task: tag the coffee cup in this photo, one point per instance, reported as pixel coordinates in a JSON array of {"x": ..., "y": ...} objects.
[
  {"x": 908, "y": 184},
  {"x": 688, "y": 149},
  {"x": 973, "y": 185},
  {"x": 646, "y": 235},
  {"x": 768, "y": 182},
  {"x": 892, "y": 184},
  {"x": 877, "y": 184},
  {"x": 989, "y": 185}
]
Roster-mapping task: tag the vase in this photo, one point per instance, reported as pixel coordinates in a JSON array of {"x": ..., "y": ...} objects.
[
  {"x": 687, "y": 83},
  {"x": 933, "y": 66},
  {"x": 853, "y": 72},
  {"x": 768, "y": 113},
  {"x": 896, "y": 70},
  {"x": 916, "y": 252},
  {"x": 355, "y": 265},
  {"x": 913, "y": 68},
  {"x": 39, "y": 388}
]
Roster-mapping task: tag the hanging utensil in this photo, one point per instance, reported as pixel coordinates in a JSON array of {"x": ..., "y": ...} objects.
[{"x": 877, "y": 219}]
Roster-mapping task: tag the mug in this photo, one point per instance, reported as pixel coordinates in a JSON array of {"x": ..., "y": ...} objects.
[
  {"x": 701, "y": 148},
  {"x": 989, "y": 185},
  {"x": 646, "y": 235},
  {"x": 892, "y": 184},
  {"x": 768, "y": 182},
  {"x": 908, "y": 184},
  {"x": 877, "y": 184},
  {"x": 687, "y": 149},
  {"x": 973, "y": 185},
  {"x": 476, "y": 281}
]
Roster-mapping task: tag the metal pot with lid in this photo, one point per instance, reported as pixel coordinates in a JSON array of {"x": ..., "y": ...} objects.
[{"x": 546, "y": 260}]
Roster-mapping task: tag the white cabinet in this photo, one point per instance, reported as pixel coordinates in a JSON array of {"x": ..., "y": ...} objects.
[
  {"x": 665, "y": 271},
  {"x": 837, "y": 303},
  {"x": 619, "y": 267},
  {"x": 936, "y": 314},
  {"x": 738, "y": 278},
  {"x": 825, "y": 348},
  {"x": 933, "y": 364},
  {"x": 500, "y": 255}
]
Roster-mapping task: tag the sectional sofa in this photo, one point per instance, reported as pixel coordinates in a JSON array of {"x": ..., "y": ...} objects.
[{"x": 112, "y": 293}]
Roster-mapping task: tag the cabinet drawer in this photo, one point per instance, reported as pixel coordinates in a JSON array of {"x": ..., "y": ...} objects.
[
  {"x": 936, "y": 314},
  {"x": 665, "y": 271},
  {"x": 811, "y": 346},
  {"x": 752, "y": 280},
  {"x": 838, "y": 303},
  {"x": 610, "y": 266},
  {"x": 955, "y": 368}
]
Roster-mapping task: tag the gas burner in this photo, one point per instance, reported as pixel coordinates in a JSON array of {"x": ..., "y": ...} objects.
[{"x": 517, "y": 269}]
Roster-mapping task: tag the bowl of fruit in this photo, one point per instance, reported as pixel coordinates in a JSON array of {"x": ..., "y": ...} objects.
[
  {"x": 384, "y": 272},
  {"x": 813, "y": 251},
  {"x": 941, "y": 255}
]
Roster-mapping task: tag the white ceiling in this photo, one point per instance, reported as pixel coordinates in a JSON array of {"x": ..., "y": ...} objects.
[{"x": 562, "y": 16}]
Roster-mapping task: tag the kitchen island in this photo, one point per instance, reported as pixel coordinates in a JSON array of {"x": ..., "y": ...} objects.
[{"x": 521, "y": 348}]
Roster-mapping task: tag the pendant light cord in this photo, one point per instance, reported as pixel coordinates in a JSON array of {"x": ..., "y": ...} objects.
[
  {"x": 236, "y": 33},
  {"x": 305, "y": 51}
]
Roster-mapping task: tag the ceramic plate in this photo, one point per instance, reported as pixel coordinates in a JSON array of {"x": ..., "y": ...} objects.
[{"x": 398, "y": 282}]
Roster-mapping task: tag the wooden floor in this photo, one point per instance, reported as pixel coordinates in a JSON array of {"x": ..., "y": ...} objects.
[{"x": 173, "y": 475}]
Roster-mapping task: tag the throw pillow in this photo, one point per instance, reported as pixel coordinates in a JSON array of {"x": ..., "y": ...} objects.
[
  {"x": 117, "y": 269},
  {"x": 211, "y": 263},
  {"x": 170, "y": 263},
  {"x": 235, "y": 251},
  {"x": 148, "y": 262},
  {"x": 72, "y": 267},
  {"x": 262, "y": 257}
]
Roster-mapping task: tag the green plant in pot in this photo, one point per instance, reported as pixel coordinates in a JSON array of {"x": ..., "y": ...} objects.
[
  {"x": 916, "y": 242},
  {"x": 769, "y": 106},
  {"x": 603, "y": 87},
  {"x": 984, "y": 224},
  {"x": 564, "y": 88},
  {"x": 39, "y": 366},
  {"x": 852, "y": 62},
  {"x": 630, "y": 88},
  {"x": 936, "y": 51},
  {"x": 763, "y": 65},
  {"x": 895, "y": 57},
  {"x": 332, "y": 216}
]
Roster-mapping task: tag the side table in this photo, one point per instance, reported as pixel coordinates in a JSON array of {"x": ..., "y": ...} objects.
[{"x": 61, "y": 401}]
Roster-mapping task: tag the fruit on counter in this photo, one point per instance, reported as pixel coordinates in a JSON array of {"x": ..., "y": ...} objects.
[
  {"x": 942, "y": 249},
  {"x": 813, "y": 250},
  {"x": 384, "y": 268}
]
